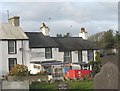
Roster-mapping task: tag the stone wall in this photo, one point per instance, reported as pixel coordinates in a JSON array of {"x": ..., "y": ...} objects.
[
  {"x": 15, "y": 85},
  {"x": 29, "y": 78}
]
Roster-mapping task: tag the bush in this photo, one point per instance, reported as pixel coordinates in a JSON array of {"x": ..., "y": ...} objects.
[
  {"x": 85, "y": 77},
  {"x": 19, "y": 70}
]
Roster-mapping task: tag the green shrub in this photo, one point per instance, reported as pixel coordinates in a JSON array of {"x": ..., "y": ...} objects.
[
  {"x": 19, "y": 70},
  {"x": 85, "y": 77}
]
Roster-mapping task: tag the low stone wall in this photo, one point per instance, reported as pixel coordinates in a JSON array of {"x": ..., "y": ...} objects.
[
  {"x": 30, "y": 78},
  {"x": 15, "y": 85}
]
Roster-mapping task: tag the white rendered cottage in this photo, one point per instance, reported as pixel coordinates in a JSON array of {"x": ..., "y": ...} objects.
[
  {"x": 46, "y": 51},
  {"x": 12, "y": 42},
  {"x": 39, "y": 51}
]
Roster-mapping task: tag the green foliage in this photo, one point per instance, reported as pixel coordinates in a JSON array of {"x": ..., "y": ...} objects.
[
  {"x": 117, "y": 39},
  {"x": 97, "y": 57},
  {"x": 96, "y": 68},
  {"x": 71, "y": 85},
  {"x": 85, "y": 77},
  {"x": 96, "y": 65},
  {"x": 65, "y": 35},
  {"x": 19, "y": 70},
  {"x": 81, "y": 85},
  {"x": 108, "y": 39}
]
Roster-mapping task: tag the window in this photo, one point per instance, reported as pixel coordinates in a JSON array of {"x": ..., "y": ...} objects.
[
  {"x": 36, "y": 66},
  {"x": 11, "y": 47},
  {"x": 12, "y": 62},
  {"x": 48, "y": 53},
  {"x": 79, "y": 56},
  {"x": 67, "y": 57},
  {"x": 90, "y": 55}
]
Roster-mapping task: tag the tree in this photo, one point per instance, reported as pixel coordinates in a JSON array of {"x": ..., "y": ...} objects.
[
  {"x": 67, "y": 35},
  {"x": 97, "y": 57},
  {"x": 108, "y": 39},
  {"x": 117, "y": 39},
  {"x": 59, "y": 35},
  {"x": 96, "y": 65}
]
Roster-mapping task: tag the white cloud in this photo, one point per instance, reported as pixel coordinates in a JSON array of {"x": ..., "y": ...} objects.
[{"x": 94, "y": 16}]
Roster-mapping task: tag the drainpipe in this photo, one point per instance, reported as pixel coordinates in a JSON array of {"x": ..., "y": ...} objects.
[{"x": 22, "y": 53}]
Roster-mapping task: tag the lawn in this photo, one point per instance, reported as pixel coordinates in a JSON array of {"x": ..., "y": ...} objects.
[{"x": 71, "y": 85}]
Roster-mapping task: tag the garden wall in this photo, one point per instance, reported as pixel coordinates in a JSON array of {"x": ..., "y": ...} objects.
[
  {"x": 15, "y": 85},
  {"x": 29, "y": 78}
]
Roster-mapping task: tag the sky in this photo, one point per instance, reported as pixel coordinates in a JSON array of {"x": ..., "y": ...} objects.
[{"x": 63, "y": 17}]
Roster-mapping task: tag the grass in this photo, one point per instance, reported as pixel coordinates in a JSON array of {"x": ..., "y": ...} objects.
[
  {"x": 71, "y": 85},
  {"x": 81, "y": 85},
  {"x": 43, "y": 85}
]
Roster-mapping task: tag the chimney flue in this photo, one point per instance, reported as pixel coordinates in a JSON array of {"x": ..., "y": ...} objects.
[
  {"x": 44, "y": 29},
  {"x": 83, "y": 33},
  {"x": 14, "y": 20}
]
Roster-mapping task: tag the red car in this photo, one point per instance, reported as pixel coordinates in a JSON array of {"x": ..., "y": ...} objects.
[{"x": 71, "y": 74}]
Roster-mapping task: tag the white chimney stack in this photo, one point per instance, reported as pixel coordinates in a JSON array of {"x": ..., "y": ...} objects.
[
  {"x": 83, "y": 33},
  {"x": 44, "y": 29}
]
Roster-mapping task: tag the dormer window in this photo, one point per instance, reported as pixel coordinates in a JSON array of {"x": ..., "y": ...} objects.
[{"x": 12, "y": 47}]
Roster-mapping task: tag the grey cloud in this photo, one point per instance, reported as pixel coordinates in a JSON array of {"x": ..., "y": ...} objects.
[{"x": 93, "y": 16}]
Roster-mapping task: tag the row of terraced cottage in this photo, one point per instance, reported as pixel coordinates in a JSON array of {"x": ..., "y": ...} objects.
[{"x": 39, "y": 51}]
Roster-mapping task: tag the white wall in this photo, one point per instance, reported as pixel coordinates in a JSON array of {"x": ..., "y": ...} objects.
[
  {"x": 5, "y": 56},
  {"x": 26, "y": 53},
  {"x": 83, "y": 35},
  {"x": 37, "y": 54},
  {"x": 57, "y": 55},
  {"x": 0, "y": 57}
]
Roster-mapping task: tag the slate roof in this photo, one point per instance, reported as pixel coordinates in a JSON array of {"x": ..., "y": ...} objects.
[
  {"x": 8, "y": 31},
  {"x": 73, "y": 43},
  {"x": 38, "y": 40}
]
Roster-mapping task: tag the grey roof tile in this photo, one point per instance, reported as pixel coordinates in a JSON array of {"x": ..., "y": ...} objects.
[
  {"x": 8, "y": 31},
  {"x": 38, "y": 40}
]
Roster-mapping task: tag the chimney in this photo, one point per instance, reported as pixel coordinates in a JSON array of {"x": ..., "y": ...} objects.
[
  {"x": 83, "y": 33},
  {"x": 14, "y": 20},
  {"x": 44, "y": 29}
]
